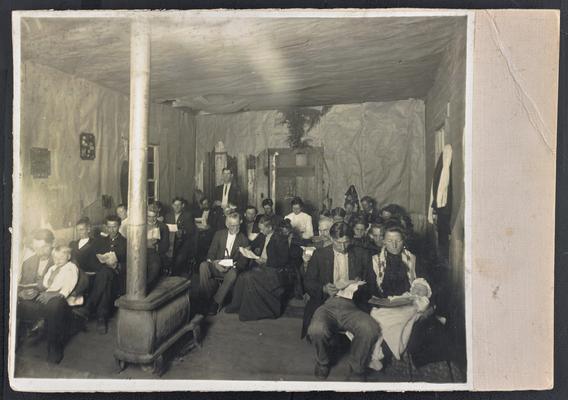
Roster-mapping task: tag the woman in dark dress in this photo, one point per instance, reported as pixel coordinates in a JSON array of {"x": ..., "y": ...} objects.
[
  {"x": 394, "y": 267},
  {"x": 292, "y": 276},
  {"x": 258, "y": 292}
]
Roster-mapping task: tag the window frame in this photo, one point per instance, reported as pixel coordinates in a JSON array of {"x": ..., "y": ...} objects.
[{"x": 156, "y": 179}]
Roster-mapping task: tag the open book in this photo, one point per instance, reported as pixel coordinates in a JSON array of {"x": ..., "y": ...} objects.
[
  {"x": 153, "y": 233},
  {"x": 397, "y": 301},
  {"x": 172, "y": 228},
  {"x": 347, "y": 289},
  {"x": 227, "y": 262},
  {"x": 107, "y": 258}
]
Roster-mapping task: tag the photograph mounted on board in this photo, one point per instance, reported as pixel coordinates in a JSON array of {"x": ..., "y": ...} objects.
[{"x": 282, "y": 205}]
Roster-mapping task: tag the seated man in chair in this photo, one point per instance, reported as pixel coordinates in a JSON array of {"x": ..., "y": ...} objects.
[
  {"x": 51, "y": 300},
  {"x": 33, "y": 271},
  {"x": 35, "y": 267},
  {"x": 329, "y": 311},
  {"x": 158, "y": 243},
  {"x": 83, "y": 249},
  {"x": 185, "y": 242},
  {"x": 109, "y": 266},
  {"x": 223, "y": 261}
]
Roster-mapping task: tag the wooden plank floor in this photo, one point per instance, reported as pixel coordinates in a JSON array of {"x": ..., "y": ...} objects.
[{"x": 258, "y": 350}]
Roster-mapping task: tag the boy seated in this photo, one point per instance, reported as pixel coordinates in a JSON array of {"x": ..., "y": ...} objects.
[{"x": 51, "y": 300}]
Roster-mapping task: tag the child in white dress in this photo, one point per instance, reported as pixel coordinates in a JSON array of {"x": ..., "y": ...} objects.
[{"x": 396, "y": 321}]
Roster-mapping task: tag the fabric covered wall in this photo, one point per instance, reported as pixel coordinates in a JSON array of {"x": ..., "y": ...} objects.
[
  {"x": 449, "y": 88},
  {"x": 378, "y": 147},
  {"x": 56, "y": 108}
]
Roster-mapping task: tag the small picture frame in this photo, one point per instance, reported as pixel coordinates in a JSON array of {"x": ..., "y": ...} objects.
[
  {"x": 87, "y": 146},
  {"x": 40, "y": 162}
]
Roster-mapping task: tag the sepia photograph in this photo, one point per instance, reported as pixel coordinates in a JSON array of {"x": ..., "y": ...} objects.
[{"x": 241, "y": 200}]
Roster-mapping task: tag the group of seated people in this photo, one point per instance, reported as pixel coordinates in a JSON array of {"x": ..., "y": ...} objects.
[
  {"x": 64, "y": 283},
  {"x": 54, "y": 279},
  {"x": 352, "y": 261},
  {"x": 357, "y": 260}
]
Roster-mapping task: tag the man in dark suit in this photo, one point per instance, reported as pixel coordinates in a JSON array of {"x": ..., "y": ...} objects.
[
  {"x": 110, "y": 277},
  {"x": 249, "y": 226},
  {"x": 29, "y": 308},
  {"x": 158, "y": 244},
  {"x": 228, "y": 192},
  {"x": 185, "y": 241},
  {"x": 225, "y": 246},
  {"x": 83, "y": 249},
  {"x": 329, "y": 269},
  {"x": 206, "y": 220}
]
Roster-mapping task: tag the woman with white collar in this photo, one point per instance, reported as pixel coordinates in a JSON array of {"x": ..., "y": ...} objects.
[{"x": 301, "y": 222}]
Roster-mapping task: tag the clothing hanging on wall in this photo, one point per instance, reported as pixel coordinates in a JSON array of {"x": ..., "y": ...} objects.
[{"x": 441, "y": 199}]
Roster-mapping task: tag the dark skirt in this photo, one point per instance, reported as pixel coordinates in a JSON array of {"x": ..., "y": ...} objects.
[{"x": 257, "y": 295}]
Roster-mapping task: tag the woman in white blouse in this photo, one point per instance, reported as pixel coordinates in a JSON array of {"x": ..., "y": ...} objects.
[{"x": 301, "y": 222}]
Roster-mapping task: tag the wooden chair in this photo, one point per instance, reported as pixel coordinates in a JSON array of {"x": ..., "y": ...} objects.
[{"x": 429, "y": 333}]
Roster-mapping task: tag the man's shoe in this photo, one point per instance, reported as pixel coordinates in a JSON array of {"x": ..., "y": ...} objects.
[
  {"x": 376, "y": 365},
  {"x": 101, "y": 326},
  {"x": 213, "y": 309},
  {"x": 37, "y": 330},
  {"x": 356, "y": 376},
  {"x": 321, "y": 371},
  {"x": 54, "y": 353}
]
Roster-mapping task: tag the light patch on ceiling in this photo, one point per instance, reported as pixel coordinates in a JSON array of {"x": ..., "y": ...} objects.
[{"x": 226, "y": 65}]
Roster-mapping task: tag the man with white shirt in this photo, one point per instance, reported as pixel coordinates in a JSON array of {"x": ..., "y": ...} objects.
[
  {"x": 228, "y": 192},
  {"x": 223, "y": 261},
  {"x": 331, "y": 269},
  {"x": 301, "y": 222},
  {"x": 51, "y": 300}
]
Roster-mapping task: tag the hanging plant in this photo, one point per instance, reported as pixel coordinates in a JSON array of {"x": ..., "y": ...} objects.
[{"x": 299, "y": 122}]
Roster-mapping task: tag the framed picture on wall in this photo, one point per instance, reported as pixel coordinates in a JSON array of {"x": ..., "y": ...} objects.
[
  {"x": 87, "y": 146},
  {"x": 40, "y": 162}
]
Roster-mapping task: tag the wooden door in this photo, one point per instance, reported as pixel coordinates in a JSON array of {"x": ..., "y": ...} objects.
[{"x": 298, "y": 180}]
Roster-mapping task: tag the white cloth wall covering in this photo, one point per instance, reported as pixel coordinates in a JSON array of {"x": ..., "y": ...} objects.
[
  {"x": 378, "y": 147},
  {"x": 57, "y": 107}
]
